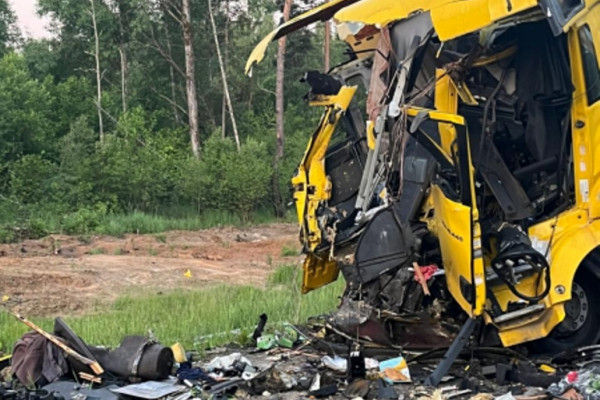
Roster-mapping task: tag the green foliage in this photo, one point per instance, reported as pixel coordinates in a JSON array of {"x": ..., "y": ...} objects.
[
  {"x": 10, "y": 37},
  {"x": 31, "y": 178},
  {"x": 56, "y": 171},
  {"x": 26, "y": 108},
  {"x": 225, "y": 179},
  {"x": 84, "y": 220}
]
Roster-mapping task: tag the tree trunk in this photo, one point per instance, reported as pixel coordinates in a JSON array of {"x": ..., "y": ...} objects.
[
  {"x": 223, "y": 76},
  {"x": 279, "y": 85},
  {"x": 124, "y": 74},
  {"x": 279, "y": 117},
  {"x": 123, "y": 39},
  {"x": 326, "y": 45},
  {"x": 172, "y": 76},
  {"x": 226, "y": 61},
  {"x": 190, "y": 76},
  {"x": 98, "y": 72}
]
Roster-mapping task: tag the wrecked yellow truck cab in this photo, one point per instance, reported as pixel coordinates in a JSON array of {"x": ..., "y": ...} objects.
[{"x": 467, "y": 184}]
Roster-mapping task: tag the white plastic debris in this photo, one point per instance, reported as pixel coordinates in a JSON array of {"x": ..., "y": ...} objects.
[
  {"x": 336, "y": 363},
  {"x": 371, "y": 363},
  {"x": 316, "y": 383},
  {"x": 226, "y": 362}
]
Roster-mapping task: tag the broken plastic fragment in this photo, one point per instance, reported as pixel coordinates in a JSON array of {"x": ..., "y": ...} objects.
[
  {"x": 395, "y": 370},
  {"x": 371, "y": 363},
  {"x": 336, "y": 363},
  {"x": 179, "y": 353},
  {"x": 226, "y": 362},
  {"x": 266, "y": 342}
]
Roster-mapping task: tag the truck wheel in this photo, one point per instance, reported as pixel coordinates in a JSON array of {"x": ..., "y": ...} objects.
[{"x": 580, "y": 326}]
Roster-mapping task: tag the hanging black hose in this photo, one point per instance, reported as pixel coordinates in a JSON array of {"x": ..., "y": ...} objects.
[{"x": 513, "y": 246}]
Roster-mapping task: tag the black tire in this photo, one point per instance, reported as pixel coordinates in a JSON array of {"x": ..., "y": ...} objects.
[{"x": 581, "y": 326}]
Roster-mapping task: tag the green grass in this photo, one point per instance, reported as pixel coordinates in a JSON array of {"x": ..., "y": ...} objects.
[
  {"x": 85, "y": 223},
  {"x": 283, "y": 275},
  {"x": 287, "y": 251},
  {"x": 138, "y": 222},
  {"x": 97, "y": 251},
  {"x": 187, "y": 316}
]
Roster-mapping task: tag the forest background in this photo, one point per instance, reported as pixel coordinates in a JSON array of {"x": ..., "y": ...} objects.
[{"x": 119, "y": 122}]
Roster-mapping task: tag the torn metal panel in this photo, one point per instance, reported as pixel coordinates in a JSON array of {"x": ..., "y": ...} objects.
[{"x": 321, "y": 13}]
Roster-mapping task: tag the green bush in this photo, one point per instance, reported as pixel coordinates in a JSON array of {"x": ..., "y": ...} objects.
[
  {"x": 31, "y": 179},
  {"x": 84, "y": 220},
  {"x": 225, "y": 179}
]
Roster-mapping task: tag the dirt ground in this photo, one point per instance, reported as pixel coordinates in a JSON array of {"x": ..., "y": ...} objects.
[{"x": 61, "y": 274}]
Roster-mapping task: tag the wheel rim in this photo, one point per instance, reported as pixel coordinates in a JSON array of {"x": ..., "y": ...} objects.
[{"x": 576, "y": 310}]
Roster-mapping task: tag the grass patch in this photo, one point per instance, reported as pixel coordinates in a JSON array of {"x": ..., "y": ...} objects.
[
  {"x": 85, "y": 239},
  {"x": 284, "y": 275},
  {"x": 287, "y": 251},
  {"x": 188, "y": 316},
  {"x": 86, "y": 222},
  {"x": 161, "y": 237},
  {"x": 97, "y": 251}
]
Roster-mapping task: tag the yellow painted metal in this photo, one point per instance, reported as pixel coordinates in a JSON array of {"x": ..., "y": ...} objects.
[
  {"x": 446, "y": 100},
  {"x": 434, "y": 115},
  {"x": 585, "y": 14},
  {"x": 533, "y": 327},
  {"x": 318, "y": 13},
  {"x": 572, "y": 235},
  {"x": 370, "y": 135},
  {"x": 450, "y": 18},
  {"x": 464, "y": 257},
  {"x": 586, "y": 121},
  {"x": 457, "y": 224},
  {"x": 464, "y": 92},
  {"x": 576, "y": 232},
  {"x": 454, "y": 230},
  {"x": 311, "y": 183},
  {"x": 318, "y": 272}
]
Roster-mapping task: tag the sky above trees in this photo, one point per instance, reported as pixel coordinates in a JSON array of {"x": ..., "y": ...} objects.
[{"x": 30, "y": 23}]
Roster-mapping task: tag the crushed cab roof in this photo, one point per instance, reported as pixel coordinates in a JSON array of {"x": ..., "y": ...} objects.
[{"x": 451, "y": 18}]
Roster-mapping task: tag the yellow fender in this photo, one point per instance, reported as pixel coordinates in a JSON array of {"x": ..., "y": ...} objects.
[{"x": 573, "y": 240}]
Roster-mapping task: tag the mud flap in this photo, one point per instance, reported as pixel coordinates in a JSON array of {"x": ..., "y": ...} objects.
[{"x": 318, "y": 272}]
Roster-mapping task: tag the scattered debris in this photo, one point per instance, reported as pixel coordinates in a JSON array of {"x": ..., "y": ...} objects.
[{"x": 315, "y": 362}]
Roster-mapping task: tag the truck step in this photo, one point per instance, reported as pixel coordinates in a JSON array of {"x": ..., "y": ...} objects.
[{"x": 519, "y": 313}]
